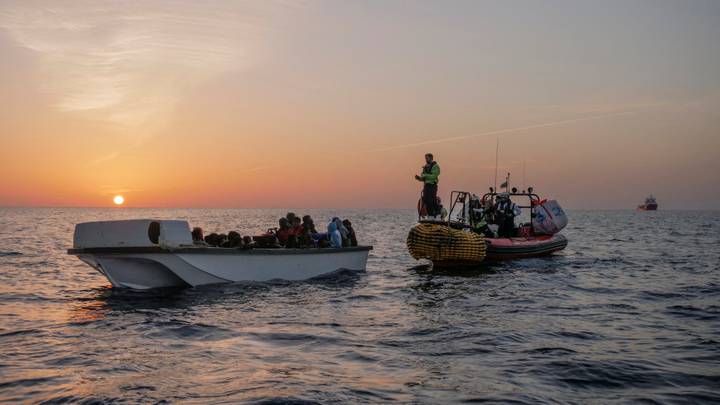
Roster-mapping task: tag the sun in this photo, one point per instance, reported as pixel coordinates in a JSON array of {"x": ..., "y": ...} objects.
[{"x": 118, "y": 200}]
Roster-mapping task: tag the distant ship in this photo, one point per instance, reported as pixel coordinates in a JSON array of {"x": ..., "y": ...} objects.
[{"x": 650, "y": 204}]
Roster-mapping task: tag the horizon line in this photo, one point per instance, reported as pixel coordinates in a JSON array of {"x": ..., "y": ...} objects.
[{"x": 305, "y": 208}]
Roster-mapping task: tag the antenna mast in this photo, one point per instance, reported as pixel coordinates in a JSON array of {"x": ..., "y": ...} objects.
[{"x": 497, "y": 149}]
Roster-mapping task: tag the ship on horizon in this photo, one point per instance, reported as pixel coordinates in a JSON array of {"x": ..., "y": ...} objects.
[{"x": 650, "y": 204}]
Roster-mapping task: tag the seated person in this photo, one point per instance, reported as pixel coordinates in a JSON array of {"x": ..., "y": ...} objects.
[
  {"x": 284, "y": 231},
  {"x": 221, "y": 240},
  {"x": 197, "y": 234},
  {"x": 297, "y": 228},
  {"x": 294, "y": 233},
  {"x": 351, "y": 232},
  {"x": 481, "y": 227},
  {"x": 212, "y": 239},
  {"x": 344, "y": 234},
  {"x": 305, "y": 239},
  {"x": 334, "y": 235},
  {"x": 307, "y": 222},
  {"x": 234, "y": 240}
]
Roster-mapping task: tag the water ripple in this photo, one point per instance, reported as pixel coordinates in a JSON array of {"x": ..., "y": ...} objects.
[{"x": 616, "y": 317}]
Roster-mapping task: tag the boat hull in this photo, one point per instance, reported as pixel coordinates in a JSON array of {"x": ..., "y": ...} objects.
[
  {"x": 517, "y": 248},
  {"x": 144, "y": 268}
]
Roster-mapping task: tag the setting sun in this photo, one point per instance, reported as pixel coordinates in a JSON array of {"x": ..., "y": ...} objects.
[{"x": 118, "y": 200}]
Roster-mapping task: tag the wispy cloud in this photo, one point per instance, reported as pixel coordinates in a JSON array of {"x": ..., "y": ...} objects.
[
  {"x": 510, "y": 130},
  {"x": 128, "y": 62}
]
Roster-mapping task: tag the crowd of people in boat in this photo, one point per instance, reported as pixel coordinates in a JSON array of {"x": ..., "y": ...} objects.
[
  {"x": 292, "y": 232},
  {"x": 501, "y": 213}
]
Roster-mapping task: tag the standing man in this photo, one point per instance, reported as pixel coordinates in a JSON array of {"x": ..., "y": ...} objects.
[{"x": 429, "y": 177}]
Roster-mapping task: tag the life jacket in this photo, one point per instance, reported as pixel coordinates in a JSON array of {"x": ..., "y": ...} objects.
[
  {"x": 284, "y": 234},
  {"x": 427, "y": 169}
]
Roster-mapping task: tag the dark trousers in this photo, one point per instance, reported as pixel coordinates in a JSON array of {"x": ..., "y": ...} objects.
[
  {"x": 507, "y": 227},
  {"x": 430, "y": 199}
]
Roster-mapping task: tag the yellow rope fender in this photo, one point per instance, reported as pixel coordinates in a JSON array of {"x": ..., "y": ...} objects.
[{"x": 440, "y": 243}]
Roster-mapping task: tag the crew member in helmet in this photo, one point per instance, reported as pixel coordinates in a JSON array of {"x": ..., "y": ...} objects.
[
  {"x": 506, "y": 211},
  {"x": 429, "y": 178}
]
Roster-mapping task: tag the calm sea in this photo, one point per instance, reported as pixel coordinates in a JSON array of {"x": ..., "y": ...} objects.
[{"x": 629, "y": 312}]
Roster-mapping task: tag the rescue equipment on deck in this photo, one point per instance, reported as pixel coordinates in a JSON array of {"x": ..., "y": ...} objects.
[
  {"x": 549, "y": 218},
  {"x": 441, "y": 243}
]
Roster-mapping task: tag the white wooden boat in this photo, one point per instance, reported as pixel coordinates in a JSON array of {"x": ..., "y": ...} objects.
[{"x": 146, "y": 253}]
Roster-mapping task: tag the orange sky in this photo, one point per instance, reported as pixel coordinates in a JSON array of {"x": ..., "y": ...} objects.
[{"x": 333, "y": 104}]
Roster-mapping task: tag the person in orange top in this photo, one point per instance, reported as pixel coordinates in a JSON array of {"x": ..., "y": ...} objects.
[{"x": 297, "y": 228}]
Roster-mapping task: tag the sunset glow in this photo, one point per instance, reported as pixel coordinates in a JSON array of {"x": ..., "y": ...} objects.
[
  {"x": 333, "y": 104},
  {"x": 118, "y": 200}
]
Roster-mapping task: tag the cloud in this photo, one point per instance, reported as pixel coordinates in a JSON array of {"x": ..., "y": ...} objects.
[
  {"x": 128, "y": 63},
  {"x": 510, "y": 130}
]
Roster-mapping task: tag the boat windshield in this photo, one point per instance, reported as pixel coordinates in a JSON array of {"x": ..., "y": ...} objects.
[{"x": 467, "y": 209}]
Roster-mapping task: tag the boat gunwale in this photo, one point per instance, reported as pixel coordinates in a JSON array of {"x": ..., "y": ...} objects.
[{"x": 215, "y": 250}]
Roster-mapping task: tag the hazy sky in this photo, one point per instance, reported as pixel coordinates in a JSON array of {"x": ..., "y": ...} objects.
[{"x": 333, "y": 104}]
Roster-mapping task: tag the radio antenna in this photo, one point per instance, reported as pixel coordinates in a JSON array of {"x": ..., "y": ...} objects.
[{"x": 497, "y": 149}]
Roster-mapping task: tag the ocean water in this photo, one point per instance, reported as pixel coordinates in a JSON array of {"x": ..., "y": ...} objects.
[{"x": 629, "y": 312}]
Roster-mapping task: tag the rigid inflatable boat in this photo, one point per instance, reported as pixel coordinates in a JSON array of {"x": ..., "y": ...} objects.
[
  {"x": 464, "y": 238},
  {"x": 146, "y": 253}
]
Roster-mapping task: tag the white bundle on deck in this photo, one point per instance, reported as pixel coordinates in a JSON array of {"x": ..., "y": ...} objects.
[{"x": 549, "y": 218}]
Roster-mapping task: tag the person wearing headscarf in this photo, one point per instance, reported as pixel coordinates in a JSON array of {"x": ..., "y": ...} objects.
[
  {"x": 334, "y": 234},
  {"x": 344, "y": 234},
  {"x": 351, "y": 232}
]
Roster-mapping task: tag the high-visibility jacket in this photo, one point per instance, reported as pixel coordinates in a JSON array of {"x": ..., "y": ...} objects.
[{"x": 431, "y": 172}]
